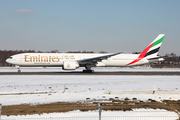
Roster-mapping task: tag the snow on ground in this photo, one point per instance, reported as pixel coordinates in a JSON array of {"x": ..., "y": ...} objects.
[
  {"x": 82, "y": 87},
  {"x": 17, "y": 89},
  {"x": 136, "y": 114}
]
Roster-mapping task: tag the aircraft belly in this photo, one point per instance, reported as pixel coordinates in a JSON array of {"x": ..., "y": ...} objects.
[
  {"x": 42, "y": 64},
  {"x": 115, "y": 63},
  {"x": 141, "y": 62}
]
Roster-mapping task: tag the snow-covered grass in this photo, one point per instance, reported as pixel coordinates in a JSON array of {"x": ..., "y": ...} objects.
[
  {"x": 136, "y": 114},
  {"x": 18, "y": 89},
  {"x": 81, "y": 87}
]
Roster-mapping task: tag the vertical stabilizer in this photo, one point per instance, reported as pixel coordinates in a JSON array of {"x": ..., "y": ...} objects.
[
  {"x": 151, "y": 51},
  {"x": 154, "y": 47}
]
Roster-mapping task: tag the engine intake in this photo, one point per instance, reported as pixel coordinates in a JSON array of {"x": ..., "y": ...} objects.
[{"x": 70, "y": 65}]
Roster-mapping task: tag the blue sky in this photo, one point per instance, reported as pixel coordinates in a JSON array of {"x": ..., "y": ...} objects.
[{"x": 91, "y": 25}]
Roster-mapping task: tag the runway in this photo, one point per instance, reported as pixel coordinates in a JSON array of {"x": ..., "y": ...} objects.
[{"x": 96, "y": 73}]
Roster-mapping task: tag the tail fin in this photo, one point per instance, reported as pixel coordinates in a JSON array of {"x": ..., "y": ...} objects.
[
  {"x": 151, "y": 51},
  {"x": 154, "y": 47}
]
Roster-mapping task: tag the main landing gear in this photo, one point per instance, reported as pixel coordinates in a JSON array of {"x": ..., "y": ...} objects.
[{"x": 88, "y": 69}]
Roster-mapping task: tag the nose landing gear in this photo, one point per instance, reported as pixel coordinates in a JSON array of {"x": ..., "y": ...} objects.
[{"x": 18, "y": 69}]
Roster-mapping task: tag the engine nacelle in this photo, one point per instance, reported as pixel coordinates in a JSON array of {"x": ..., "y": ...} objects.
[{"x": 70, "y": 65}]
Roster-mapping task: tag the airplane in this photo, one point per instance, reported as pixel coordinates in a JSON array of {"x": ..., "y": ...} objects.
[{"x": 72, "y": 61}]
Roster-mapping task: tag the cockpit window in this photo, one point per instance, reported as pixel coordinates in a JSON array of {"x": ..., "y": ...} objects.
[{"x": 10, "y": 57}]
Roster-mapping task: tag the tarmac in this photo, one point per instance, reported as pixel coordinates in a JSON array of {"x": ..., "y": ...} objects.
[{"x": 94, "y": 73}]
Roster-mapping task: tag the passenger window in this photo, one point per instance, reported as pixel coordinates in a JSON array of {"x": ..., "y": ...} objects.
[{"x": 10, "y": 57}]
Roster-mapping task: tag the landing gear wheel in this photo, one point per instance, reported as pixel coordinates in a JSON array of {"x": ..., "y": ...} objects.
[
  {"x": 88, "y": 71},
  {"x": 19, "y": 71}
]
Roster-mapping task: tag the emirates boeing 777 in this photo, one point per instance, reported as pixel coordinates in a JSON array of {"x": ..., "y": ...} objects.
[{"x": 72, "y": 61}]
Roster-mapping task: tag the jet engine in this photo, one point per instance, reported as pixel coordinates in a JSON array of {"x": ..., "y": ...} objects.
[{"x": 70, "y": 65}]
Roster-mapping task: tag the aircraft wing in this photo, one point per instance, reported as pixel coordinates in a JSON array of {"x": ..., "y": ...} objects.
[{"x": 94, "y": 60}]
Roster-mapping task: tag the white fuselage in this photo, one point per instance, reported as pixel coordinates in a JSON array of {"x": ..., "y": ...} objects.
[
  {"x": 57, "y": 59},
  {"x": 72, "y": 61}
]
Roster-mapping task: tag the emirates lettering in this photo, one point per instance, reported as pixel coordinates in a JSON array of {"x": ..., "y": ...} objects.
[{"x": 41, "y": 58}]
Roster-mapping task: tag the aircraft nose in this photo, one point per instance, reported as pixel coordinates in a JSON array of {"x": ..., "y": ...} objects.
[{"x": 7, "y": 60}]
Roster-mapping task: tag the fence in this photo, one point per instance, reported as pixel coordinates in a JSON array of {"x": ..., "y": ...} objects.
[{"x": 97, "y": 118}]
